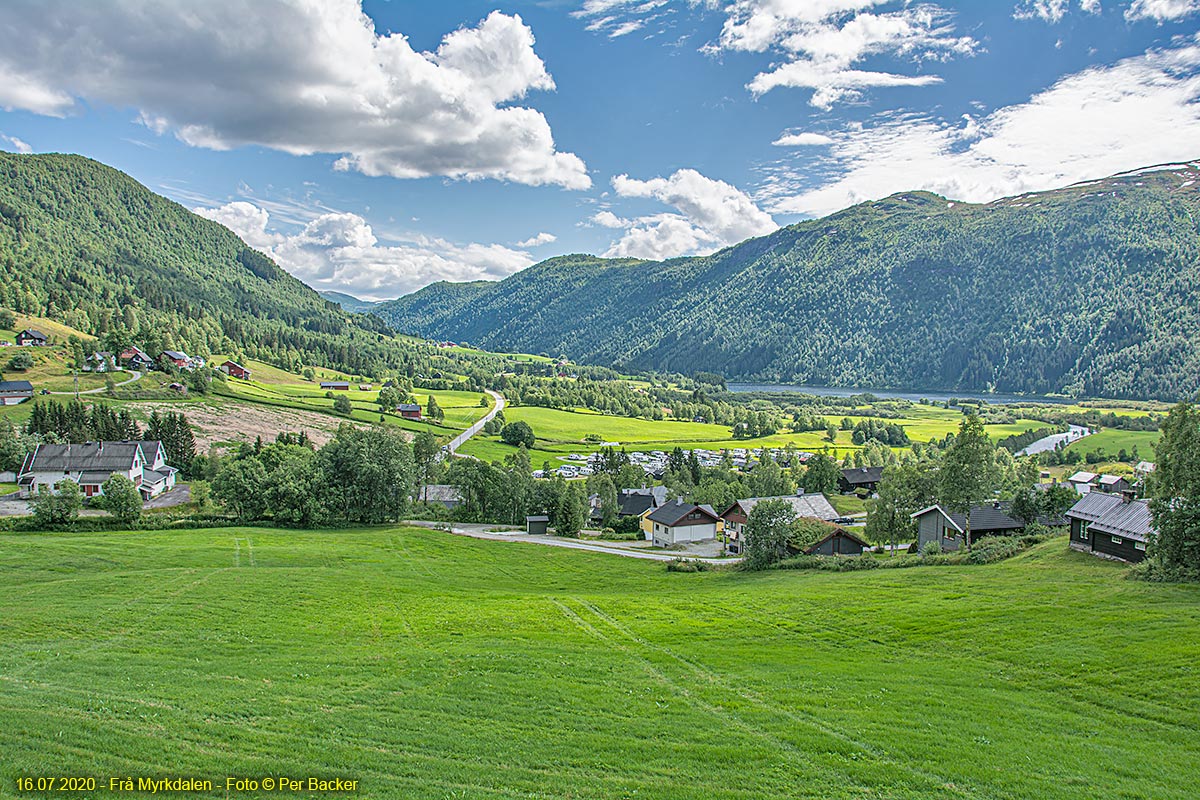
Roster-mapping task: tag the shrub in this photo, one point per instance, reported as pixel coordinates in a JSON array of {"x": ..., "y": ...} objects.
[
  {"x": 994, "y": 548},
  {"x": 932, "y": 549},
  {"x": 687, "y": 565}
]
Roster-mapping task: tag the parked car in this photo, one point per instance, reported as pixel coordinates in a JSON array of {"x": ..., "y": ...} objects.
[{"x": 844, "y": 520}]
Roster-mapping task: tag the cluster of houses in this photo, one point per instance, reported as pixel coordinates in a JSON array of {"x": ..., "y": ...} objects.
[{"x": 91, "y": 464}]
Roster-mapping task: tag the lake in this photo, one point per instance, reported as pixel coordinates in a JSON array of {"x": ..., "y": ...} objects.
[{"x": 889, "y": 394}]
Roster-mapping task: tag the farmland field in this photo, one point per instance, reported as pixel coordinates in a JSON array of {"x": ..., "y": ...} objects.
[
  {"x": 428, "y": 665},
  {"x": 562, "y": 432}
]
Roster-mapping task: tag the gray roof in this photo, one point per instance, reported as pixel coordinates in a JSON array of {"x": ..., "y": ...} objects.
[
  {"x": 1083, "y": 476},
  {"x": 1093, "y": 505},
  {"x": 1127, "y": 520},
  {"x": 91, "y": 456},
  {"x": 862, "y": 475},
  {"x": 150, "y": 449},
  {"x": 807, "y": 505},
  {"x": 94, "y": 478},
  {"x": 408, "y": 407},
  {"x": 634, "y": 505},
  {"x": 9, "y": 387},
  {"x": 537, "y": 518},
  {"x": 176, "y": 355},
  {"x": 1109, "y": 480},
  {"x": 153, "y": 476},
  {"x": 33, "y": 334}
]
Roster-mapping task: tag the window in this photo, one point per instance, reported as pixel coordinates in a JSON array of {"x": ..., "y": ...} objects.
[
  {"x": 1139, "y": 546},
  {"x": 1118, "y": 540}
]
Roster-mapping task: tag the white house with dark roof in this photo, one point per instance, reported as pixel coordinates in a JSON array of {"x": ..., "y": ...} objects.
[
  {"x": 680, "y": 522},
  {"x": 91, "y": 464},
  {"x": 14, "y": 392},
  {"x": 31, "y": 338}
]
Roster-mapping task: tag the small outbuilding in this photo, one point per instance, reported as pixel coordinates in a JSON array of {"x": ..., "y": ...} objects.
[
  {"x": 839, "y": 542},
  {"x": 538, "y": 524},
  {"x": 409, "y": 410},
  {"x": 337, "y": 386},
  {"x": 235, "y": 370},
  {"x": 863, "y": 478}
]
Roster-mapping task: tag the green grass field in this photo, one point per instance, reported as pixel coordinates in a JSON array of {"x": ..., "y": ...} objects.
[
  {"x": 1113, "y": 440},
  {"x": 562, "y": 432},
  {"x": 428, "y": 665}
]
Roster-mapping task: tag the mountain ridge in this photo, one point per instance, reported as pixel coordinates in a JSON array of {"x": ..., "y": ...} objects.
[{"x": 1089, "y": 289}]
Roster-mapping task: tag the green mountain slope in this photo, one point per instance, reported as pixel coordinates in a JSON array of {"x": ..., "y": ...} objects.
[
  {"x": 1093, "y": 289},
  {"x": 87, "y": 244},
  {"x": 349, "y": 302}
]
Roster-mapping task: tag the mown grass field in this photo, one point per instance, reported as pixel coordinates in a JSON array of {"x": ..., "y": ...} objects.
[
  {"x": 428, "y": 665},
  {"x": 1113, "y": 440}
]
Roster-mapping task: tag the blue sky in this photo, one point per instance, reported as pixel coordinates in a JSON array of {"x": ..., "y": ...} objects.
[{"x": 375, "y": 147}]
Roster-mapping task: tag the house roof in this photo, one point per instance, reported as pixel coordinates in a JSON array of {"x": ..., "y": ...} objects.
[
  {"x": 89, "y": 457},
  {"x": 1144, "y": 466},
  {"x": 806, "y": 505},
  {"x": 33, "y": 334},
  {"x": 1093, "y": 505},
  {"x": 837, "y": 532},
  {"x": 537, "y": 518},
  {"x": 1128, "y": 520},
  {"x": 175, "y": 355},
  {"x": 1082, "y": 477},
  {"x": 1110, "y": 480},
  {"x": 862, "y": 475},
  {"x": 939, "y": 510},
  {"x": 154, "y": 476},
  {"x": 94, "y": 478},
  {"x": 135, "y": 352},
  {"x": 151, "y": 449},
  {"x": 673, "y": 513},
  {"x": 9, "y": 387},
  {"x": 408, "y": 407},
  {"x": 231, "y": 363},
  {"x": 988, "y": 518},
  {"x": 335, "y": 383},
  {"x": 634, "y": 505}
]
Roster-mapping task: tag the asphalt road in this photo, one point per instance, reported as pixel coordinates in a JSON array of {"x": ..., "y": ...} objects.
[{"x": 465, "y": 436}]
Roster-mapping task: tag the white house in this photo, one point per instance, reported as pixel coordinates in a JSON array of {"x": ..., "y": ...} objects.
[
  {"x": 679, "y": 522},
  {"x": 92, "y": 463}
]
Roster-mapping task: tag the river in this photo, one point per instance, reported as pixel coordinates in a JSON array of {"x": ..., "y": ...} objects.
[{"x": 890, "y": 394}]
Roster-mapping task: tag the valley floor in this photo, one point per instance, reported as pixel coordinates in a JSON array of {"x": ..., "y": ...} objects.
[{"x": 429, "y": 665}]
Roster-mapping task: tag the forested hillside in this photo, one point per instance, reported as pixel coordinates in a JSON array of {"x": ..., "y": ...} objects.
[
  {"x": 88, "y": 245},
  {"x": 1091, "y": 290}
]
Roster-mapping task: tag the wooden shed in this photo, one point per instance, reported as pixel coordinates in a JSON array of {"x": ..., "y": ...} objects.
[{"x": 537, "y": 524}]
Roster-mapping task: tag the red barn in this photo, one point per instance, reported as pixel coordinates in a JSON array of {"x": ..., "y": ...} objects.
[
  {"x": 235, "y": 370},
  {"x": 409, "y": 410}
]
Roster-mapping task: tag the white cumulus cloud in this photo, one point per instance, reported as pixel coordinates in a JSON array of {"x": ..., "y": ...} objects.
[
  {"x": 710, "y": 214},
  {"x": 821, "y": 41},
  {"x": 16, "y": 144},
  {"x": 300, "y": 76},
  {"x": 340, "y": 251},
  {"x": 539, "y": 240},
  {"x": 1140, "y": 111},
  {"x": 1162, "y": 10}
]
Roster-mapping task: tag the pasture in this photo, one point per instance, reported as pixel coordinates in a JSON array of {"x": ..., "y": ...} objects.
[
  {"x": 428, "y": 665},
  {"x": 562, "y": 432}
]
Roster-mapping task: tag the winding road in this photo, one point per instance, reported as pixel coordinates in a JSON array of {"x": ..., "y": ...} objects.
[{"x": 465, "y": 436}]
